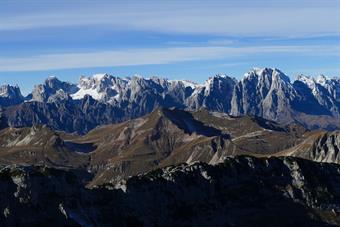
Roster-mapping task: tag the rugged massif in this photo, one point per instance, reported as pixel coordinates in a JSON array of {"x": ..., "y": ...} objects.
[
  {"x": 113, "y": 151},
  {"x": 104, "y": 99}
]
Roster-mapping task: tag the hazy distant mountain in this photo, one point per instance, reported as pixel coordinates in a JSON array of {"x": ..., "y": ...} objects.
[{"x": 104, "y": 99}]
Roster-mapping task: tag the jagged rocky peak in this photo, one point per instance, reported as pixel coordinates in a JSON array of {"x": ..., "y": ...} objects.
[
  {"x": 332, "y": 85},
  {"x": 322, "y": 79},
  {"x": 217, "y": 81},
  {"x": 307, "y": 80},
  {"x": 265, "y": 81},
  {"x": 266, "y": 75},
  {"x": 10, "y": 95},
  {"x": 184, "y": 83},
  {"x": 107, "y": 88},
  {"x": 215, "y": 94},
  {"x": 52, "y": 84},
  {"x": 139, "y": 81},
  {"x": 157, "y": 84},
  {"x": 93, "y": 81},
  {"x": 264, "y": 92},
  {"x": 314, "y": 83},
  {"x": 101, "y": 87},
  {"x": 59, "y": 96},
  {"x": 325, "y": 92},
  {"x": 159, "y": 80},
  {"x": 11, "y": 92}
]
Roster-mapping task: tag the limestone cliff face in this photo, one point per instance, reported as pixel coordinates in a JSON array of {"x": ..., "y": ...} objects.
[
  {"x": 264, "y": 92},
  {"x": 51, "y": 87},
  {"x": 320, "y": 147}
]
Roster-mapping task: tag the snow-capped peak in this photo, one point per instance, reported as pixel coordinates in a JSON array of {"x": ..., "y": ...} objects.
[
  {"x": 9, "y": 91},
  {"x": 311, "y": 81},
  {"x": 4, "y": 90},
  {"x": 51, "y": 77},
  {"x": 308, "y": 80},
  {"x": 186, "y": 83},
  {"x": 211, "y": 79},
  {"x": 99, "y": 87},
  {"x": 99, "y": 76},
  {"x": 255, "y": 72},
  {"x": 89, "y": 86},
  {"x": 259, "y": 71},
  {"x": 221, "y": 75},
  {"x": 321, "y": 79},
  {"x": 267, "y": 72}
]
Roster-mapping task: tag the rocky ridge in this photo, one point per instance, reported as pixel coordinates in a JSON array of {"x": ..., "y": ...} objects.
[
  {"x": 242, "y": 191},
  {"x": 104, "y": 99}
]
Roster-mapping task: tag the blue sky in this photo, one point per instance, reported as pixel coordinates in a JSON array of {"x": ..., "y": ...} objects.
[{"x": 173, "y": 39}]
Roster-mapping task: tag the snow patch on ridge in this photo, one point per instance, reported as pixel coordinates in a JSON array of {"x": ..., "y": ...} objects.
[
  {"x": 89, "y": 86},
  {"x": 186, "y": 83},
  {"x": 99, "y": 76},
  {"x": 82, "y": 92},
  {"x": 309, "y": 81}
]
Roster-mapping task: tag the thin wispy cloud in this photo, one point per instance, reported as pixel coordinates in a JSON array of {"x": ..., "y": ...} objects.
[
  {"x": 221, "y": 42},
  {"x": 219, "y": 19},
  {"x": 170, "y": 37},
  {"x": 151, "y": 56}
]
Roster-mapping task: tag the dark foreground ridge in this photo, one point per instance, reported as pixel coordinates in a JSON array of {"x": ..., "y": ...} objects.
[{"x": 242, "y": 191}]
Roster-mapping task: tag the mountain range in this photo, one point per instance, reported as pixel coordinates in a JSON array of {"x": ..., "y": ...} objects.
[
  {"x": 261, "y": 151},
  {"x": 171, "y": 167},
  {"x": 105, "y": 99}
]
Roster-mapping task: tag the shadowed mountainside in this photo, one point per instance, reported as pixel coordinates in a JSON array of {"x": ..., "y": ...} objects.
[{"x": 241, "y": 191}]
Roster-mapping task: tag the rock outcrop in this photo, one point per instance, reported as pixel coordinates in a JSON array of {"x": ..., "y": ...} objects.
[{"x": 242, "y": 191}]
